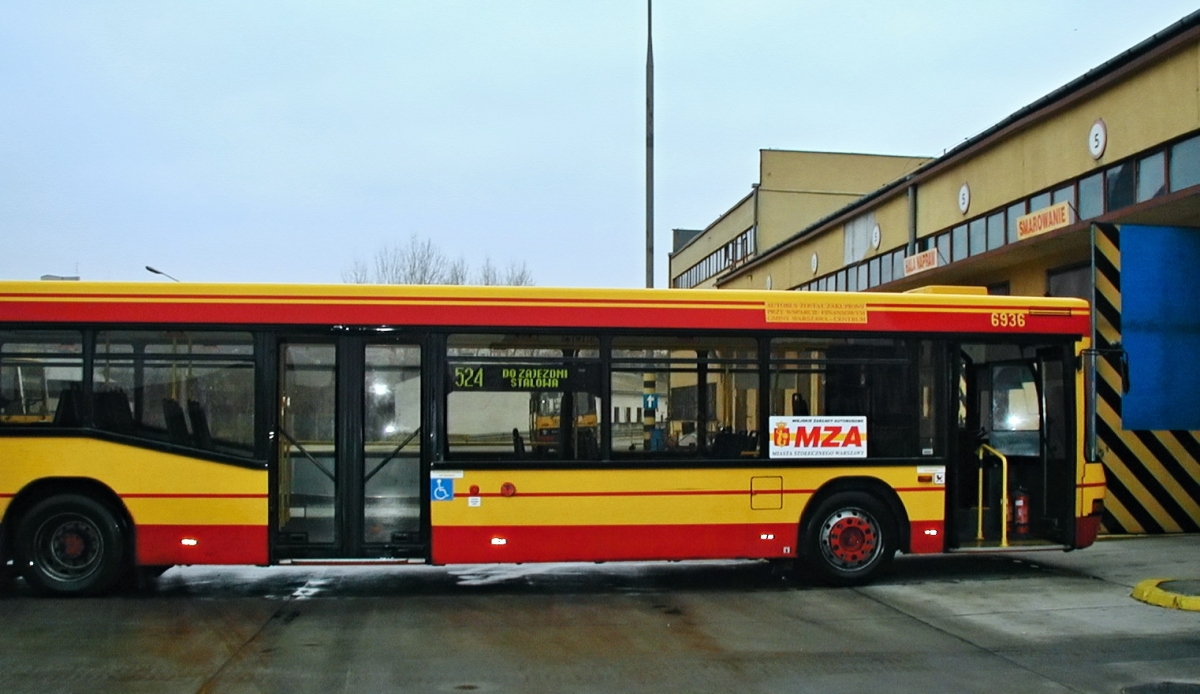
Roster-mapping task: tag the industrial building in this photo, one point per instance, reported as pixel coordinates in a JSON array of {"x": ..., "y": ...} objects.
[{"x": 1091, "y": 191}]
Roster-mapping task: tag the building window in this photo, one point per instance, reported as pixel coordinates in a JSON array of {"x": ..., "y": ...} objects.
[
  {"x": 1151, "y": 178},
  {"x": 942, "y": 243},
  {"x": 977, "y": 236},
  {"x": 1091, "y": 196},
  {"x": 1185, "y": 164},
  {"x": 1014, "y": 212},
  {"x": 1119, "y": 186},
  {"x": 999, "y": 289},
  {"x": 995, "y": 231},
  {"x": 737, "y": 251},
  {"x": 1039, "y": 201},
  {"x": 1075, "y": 280},
  {"x": 1064, "y": 194},
  {"x": 958, "y": 245}
]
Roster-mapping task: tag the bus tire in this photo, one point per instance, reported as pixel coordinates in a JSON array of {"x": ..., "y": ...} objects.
[
  {"x": 850, "y": 537},
  {"x": 70, "y": 545}
]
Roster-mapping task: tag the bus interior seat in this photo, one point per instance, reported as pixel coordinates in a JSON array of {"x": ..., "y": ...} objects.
[
  {"x": 199, "y": 420},
  {"x": 69, "y": 412},
  {"x": 518, "y": 443},
  {"x": 111, "y": 409},
  {"x": 727, "y": 445},
  {"x": 177, "y": 429}
]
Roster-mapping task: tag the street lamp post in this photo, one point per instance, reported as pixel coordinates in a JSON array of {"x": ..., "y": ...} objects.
[
  {"x": 160, "y": 272},
  {"x": 649, "y": 145}
]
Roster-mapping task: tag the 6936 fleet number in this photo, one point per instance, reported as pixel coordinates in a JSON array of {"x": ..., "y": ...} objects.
[{"x": 1006, "y": 319}]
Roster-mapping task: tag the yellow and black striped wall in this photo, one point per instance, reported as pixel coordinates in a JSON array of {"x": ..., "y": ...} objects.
[{"x": 1153, "y": 475}]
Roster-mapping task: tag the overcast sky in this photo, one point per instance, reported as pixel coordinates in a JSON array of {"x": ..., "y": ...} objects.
[{"x": 281, "y": 141}]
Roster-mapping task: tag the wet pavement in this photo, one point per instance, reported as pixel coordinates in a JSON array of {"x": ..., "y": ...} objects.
[{"x": 1048, "y": 622}]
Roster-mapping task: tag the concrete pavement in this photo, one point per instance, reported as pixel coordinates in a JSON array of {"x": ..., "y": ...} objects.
[{"x": 1012, "y": 623}]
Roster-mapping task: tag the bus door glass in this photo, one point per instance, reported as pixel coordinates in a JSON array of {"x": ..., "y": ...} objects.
[
  {"x": 391, "y": 440},
  {"x": 307, "y": 454}
]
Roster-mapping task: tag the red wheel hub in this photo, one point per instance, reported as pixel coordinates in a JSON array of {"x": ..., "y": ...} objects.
[
  {"x": 851, "y": 538},
  {"x": 73, "y": 545}
]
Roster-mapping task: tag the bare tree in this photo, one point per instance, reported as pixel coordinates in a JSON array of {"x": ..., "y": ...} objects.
[
  {"x": 358, "y": 273},
  {"x": 422, "y": 262},
  {"x": 488, "y": 275},
  {"x": 518, "y": 275},
  {"x": 457, "y": 271}
]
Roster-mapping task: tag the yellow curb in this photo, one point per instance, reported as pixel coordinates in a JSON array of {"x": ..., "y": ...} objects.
[{"x": 1149, "y": 592}]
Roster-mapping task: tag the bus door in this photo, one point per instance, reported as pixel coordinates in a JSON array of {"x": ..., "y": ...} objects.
[
  {"x": 348, "y": 475},
  {"x": 1012, "y": 482}
]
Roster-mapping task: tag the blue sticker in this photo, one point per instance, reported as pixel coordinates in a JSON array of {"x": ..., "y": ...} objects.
[{"x": 441, "y": 489}]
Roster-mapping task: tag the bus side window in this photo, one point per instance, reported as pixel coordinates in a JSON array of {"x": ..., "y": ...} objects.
[{"x": 36, "y": 368}]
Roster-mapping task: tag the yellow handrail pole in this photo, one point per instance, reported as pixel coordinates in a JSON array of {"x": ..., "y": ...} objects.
[
  {"x": 979, "y": 501},
  {"x": 1003, "y": 501},
  {"x": 984, "y": 448}
]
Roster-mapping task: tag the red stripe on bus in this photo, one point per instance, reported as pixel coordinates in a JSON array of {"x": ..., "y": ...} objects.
[
  {"x": 193, "y": 496},
  {"x": 166, "y": 545},
  {"x": 553, "y": 543},
  {"x": 927, "y": 537},
  {"x": 407, "y": 300},
  {"x": 698, "y": 492},
  {"x": 689, "y": 492}
]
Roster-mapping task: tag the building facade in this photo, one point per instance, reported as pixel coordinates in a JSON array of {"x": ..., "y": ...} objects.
[{"x": 1091, "y": 191}]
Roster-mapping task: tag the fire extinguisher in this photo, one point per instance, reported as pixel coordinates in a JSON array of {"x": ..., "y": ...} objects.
[{"x": 1020, "y": 514}]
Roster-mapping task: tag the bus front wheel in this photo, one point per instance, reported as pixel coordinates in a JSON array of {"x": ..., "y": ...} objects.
[
  {"x": 849, "y": 538},
  {"x": 70, "y": 545}
]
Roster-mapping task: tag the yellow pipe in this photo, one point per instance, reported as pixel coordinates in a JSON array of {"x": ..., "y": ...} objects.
[
  {"x": 979, "y": 503},
  {"x": 984, "y": 448}
]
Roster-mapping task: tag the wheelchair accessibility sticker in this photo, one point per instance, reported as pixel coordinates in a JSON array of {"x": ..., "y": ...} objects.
[
  {"x": 441, "y": 485},
  {"x": 441, "y": 490}
]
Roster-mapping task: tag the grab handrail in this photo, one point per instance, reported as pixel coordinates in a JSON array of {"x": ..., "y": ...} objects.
[{"x": 984, "y": 449}]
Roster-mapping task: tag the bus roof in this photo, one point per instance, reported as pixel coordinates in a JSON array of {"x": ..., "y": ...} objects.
[{"x": 198, "y": 304}]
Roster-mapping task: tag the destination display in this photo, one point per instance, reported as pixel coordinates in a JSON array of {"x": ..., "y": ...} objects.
[{"x": 524, "y": 377}]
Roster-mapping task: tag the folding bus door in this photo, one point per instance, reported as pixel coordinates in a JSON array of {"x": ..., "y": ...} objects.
[
  {"x": 348, "y": 476},
  {"x": 1013, "y": 473}
]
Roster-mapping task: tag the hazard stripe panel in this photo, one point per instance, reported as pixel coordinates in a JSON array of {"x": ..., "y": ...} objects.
[{"x": 1153, "y": 476}]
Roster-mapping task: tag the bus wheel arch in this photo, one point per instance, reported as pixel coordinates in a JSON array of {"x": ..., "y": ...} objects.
[
  {"x": 851, "y": 529},
  {"x": 69, "y": 536}
]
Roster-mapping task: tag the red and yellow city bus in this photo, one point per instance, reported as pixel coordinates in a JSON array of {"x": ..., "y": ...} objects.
[{"x": 144, "y": 426}]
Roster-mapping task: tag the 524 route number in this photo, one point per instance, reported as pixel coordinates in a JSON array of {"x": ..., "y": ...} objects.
[{"x": 1008, "y": 320}]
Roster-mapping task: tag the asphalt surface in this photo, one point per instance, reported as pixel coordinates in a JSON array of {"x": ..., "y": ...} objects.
[{"x": 1047, "y": 622}]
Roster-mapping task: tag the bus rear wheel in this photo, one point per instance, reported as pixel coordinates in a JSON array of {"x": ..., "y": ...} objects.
[
  {"x": 70, "y": 545},
  {"x": 849, "y": 539}
]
